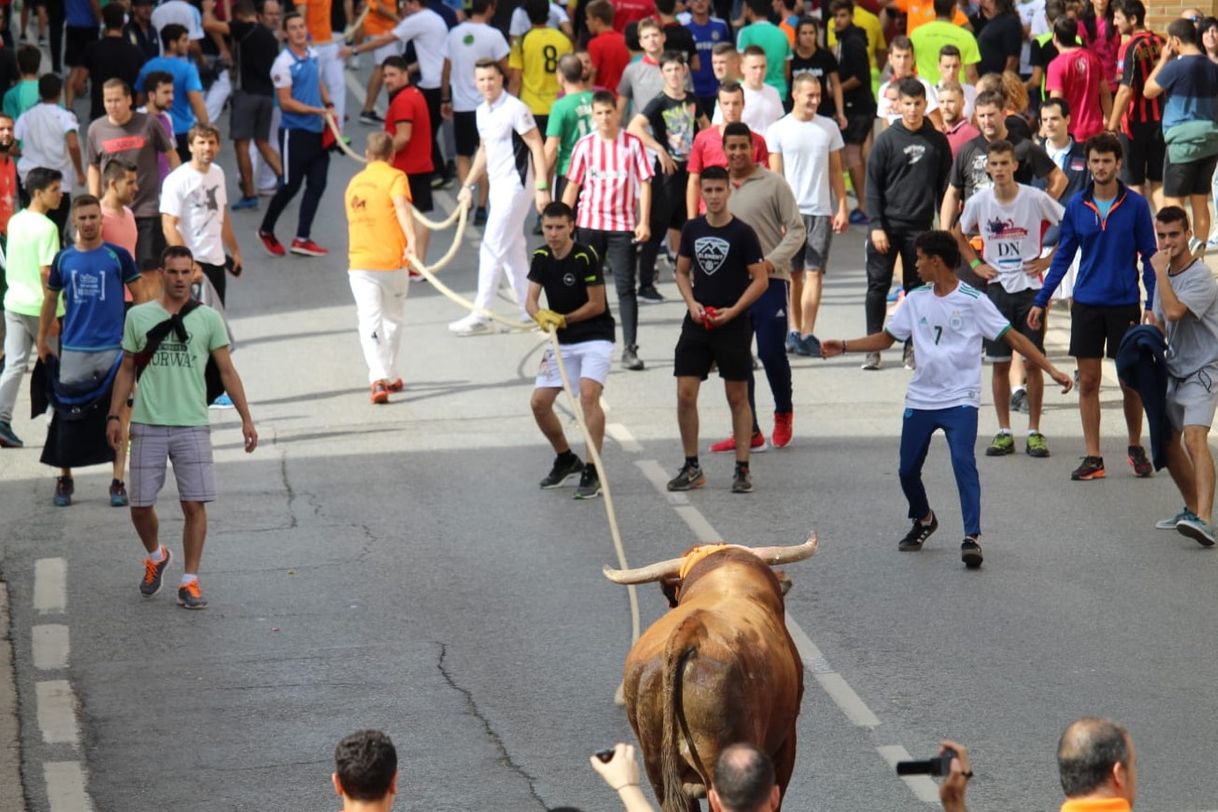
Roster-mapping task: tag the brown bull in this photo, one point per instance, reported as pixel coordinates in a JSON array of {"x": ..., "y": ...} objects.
[{"x": 718, "y": 669}]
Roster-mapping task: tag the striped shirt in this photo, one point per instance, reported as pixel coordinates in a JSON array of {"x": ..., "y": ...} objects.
[
  {"x": 609, "y": 174},
  {"x": 1139, "y": 54}
]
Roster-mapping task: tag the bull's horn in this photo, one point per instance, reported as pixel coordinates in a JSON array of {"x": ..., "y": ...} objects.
[
  {"x": 786, "y": 555},
  {"x": 644, "y": 575}
]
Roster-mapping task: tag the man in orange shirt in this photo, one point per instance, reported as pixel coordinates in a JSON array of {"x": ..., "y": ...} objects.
[
  {"x": 380, "y": 231},
  {"x": 920, "y": 12}
]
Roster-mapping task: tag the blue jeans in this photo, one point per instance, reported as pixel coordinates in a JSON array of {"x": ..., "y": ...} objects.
[
  {"x": 959, "y": 424},
  {"x": 769, "y": 317}
]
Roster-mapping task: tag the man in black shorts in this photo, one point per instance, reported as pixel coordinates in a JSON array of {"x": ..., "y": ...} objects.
[
  {"x": 855, "y": 71},
  {"x": 720, "y": 273},
  {"x": 82, "y": 20},
  {"x": 1137, "y": 120}
]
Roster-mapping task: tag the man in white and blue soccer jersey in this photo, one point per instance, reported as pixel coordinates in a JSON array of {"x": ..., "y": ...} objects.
[{"x": 947, "y": 321}]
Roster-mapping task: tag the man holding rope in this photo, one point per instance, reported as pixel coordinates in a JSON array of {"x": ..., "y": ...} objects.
[{"x": 570, "y": 274}]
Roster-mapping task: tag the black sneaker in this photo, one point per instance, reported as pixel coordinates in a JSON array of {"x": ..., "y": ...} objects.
[
  {"x": 64, "y": 488},
  {"x": 1138, "y": 461},
  {"x": 918, "y": 534},
  {"x": 687, "y": 479},
  {"x": 1091, "y": 468},
  {"x": 970, "y": 552},
  {"x": 589, "y": 484},
  {"x": 742, "y": 481},
  {"x": 649, "y": 295},
  {"x": 118, "y": 493},
  {"x": 561, "y": 470},
  {"x": 480, "y": 216},
  {"x": 153, "y": 572},
  {"x": 631, "y": 360},
  {"x": 7, "y": 438},
  {"x": 190, "y": 596},
  {"x": 370, "y": 117}
]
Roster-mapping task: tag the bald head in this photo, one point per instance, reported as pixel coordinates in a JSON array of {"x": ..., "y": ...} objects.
[
  {"x": 1095, "y": 758},
  {"x": 744, "y": 781}
]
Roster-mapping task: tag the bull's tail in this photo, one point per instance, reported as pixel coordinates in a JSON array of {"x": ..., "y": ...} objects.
[{"x": 682, "y": 647}]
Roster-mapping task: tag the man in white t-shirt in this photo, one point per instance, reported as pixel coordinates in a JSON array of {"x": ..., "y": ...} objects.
[
  {"x": 901, "y": 58},
  {"x": 467, "y": 44},
  {"x": 558, "y": 18},
  {"x": 762, "y": 105},
  {"x": 1011, "y": 219},
  {"x": 806, "y": 149},
  {"x": 510, "y": 153},
  {"x": 947, "y": 321},
  {"x": 182, "y": 13},
  {"x": 49, "y": 138},
  {"x": 194, "y": 209}
]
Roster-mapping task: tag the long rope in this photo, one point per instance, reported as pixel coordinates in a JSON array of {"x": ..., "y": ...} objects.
[{"x": 460, "y": 214}]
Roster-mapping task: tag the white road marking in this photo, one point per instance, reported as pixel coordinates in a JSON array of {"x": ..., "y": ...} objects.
[
  {"x": 658, "y": 478},
  {"x": 50, "y": 586},
  {"x": 698, "y": 523},
  {"x": 624, "y": 438},
  {"x": 50, "y": 643},
  {"x": 57, "y": 712},
  {"x": 849, "y": 702},
  {"x": 920, "y": 785},
  {"x": 65, "y": 782}
]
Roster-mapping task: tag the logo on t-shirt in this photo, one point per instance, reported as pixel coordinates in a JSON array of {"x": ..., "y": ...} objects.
[
  {"x": 915, "y": 153},
  {"x": 468, "y": 39},
  {"x": 711, "y": 253},
  {"x": 568, "y": 279}
]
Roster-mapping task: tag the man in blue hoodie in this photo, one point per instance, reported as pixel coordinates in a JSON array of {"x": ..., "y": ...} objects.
[{"x": 1112, "y": 226}]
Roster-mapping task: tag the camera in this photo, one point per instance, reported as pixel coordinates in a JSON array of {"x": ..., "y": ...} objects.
[
  {"x": 605, "y": 755},
  {"x": 938, "y": 766}
]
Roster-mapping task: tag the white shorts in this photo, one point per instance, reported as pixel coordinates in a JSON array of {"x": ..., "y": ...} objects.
[
  {"x": 587, "y": 359},
  {"x": 379, "y": 55}
]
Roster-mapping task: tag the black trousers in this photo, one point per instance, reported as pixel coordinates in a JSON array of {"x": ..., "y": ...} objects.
[
  {"x": 880, "y": 269},
  {"x": 149, "y": 240},
  {"x": 215, "y": 274},
  {"x": 667, "y": 201},
  {"x": 616, "y": 249},
  {"x": 55, "y": 19},
  {"x": 432, "y": 96},
  {"x": 304, "y": 162}
]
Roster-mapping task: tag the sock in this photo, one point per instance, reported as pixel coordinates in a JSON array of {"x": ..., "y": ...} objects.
[
  {"x": 742, "y": 466},
  {"x": 158, "y": 556},
  {"x": 1006, "y": 431},
  {"x": 1033, "y": 431},
  {"x": 188, "y": 579},
  {"x": 1019, "y": 389},
  {"x": 692, "y": 462}
]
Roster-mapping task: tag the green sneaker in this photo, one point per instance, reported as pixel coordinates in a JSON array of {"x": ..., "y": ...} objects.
[
  {"x": 1036, "y": 447},
  {"x": 1001, "y": 445}
]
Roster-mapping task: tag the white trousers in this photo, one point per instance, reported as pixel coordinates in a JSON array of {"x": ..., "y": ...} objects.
[
  {"x": 503, "y": 244},
  {"x": 265, "y": 179},
  {"x": 380, "y": 307},
  {"x": 331, "y": 69},
  {"x": 217, "y": 96}
]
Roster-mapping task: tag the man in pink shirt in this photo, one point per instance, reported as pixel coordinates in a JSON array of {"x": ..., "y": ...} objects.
[
  {"x": 708, "y": 146},
  {"x": 119, "y": 187},
  {"x": 1077, "y": 75},
  {"x": 958, "y": 129}
]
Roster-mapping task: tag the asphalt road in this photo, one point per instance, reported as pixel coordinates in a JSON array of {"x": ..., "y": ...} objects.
[{"x": 397, "y": 567}]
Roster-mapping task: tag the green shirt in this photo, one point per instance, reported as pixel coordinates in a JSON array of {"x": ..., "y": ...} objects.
[
  {"x": 928, "y": 38},
  {"x": 570, "y": 120},
  {"x": 33, "y": 242},
  {"x": 777, "y": 49},
  {"x": 20, "y": 97},
  {"x": 172, "y": 390}
]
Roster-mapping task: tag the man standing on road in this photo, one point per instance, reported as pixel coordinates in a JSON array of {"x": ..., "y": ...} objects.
[
  {"x": 49, "y": 138},
  {"x": 947, "y": 321},
  {"x": 194, "y": 210},
  {"x": 407, "y": 123},
  {"x": 642, "y": 80},
  {"x": 170, "y": 421},
  {"x": 806, "y": 149},
  {"x": 381, "y": 236},
  {"x": 906, "y": 177},
  {"x": 1010, "y": 218},
  {"x": 707, "y": 32},
  {"x": 510, "y": 155},
  {"x": 576, "y": 307},
  {"x": 1137, "y": 119},
  {"x": 720, "y": 272},
  {"x": 708, "y": 145},
  {"x": 533, "y": 63},
  {"x": 609, "y": 171},
  {"x": 91, "y": 275},
  {"x": 323, "y": 44},
  {"x": 111, "y": 57},
  {"x": 570, "y": 120},
  {"x": 1186, "y": 305},
  {"x": 1112, "y": 226},
  {"x": 33, "y": 242},
  {"x": 138, "y": 139},
  {"x": 188, "y": 107},
  {"x": 305, "y": 103}
]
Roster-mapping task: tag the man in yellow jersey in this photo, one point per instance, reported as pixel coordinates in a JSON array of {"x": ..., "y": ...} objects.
[
  {"x": 380, "y": 232},
  {"x": 533, "y": 63}
]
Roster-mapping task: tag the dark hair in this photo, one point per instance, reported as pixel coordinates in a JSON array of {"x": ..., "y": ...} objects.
[
  {"x": 1132, "y": 9},
  {"x": 1061, "y": 104},
  {"x": 744, "y": 777},
  {"x": 990, "y": 98},
  {"x": 666, "y": 7},
  {"x": 396, "y": 62},
  {"x": 288, "y": 17},
  {"x": 493, "y": 64},
  {"x": 713, "y": 173},
  {"x": 366, "y": 763},
  {"x": 668, "y": 57},
  {"x": 1065, "y": 30},
  {"x": 29, "y": 58},
  {"x": 480, "y": 7},
  {"x": 1183, "y": 30},
  {"x": 1173, "y": 214},
  {"x": 950, "y": 50},
  {"x": 1054, "y": 9},
  {"x": 1087, "y": 752},
  {"x": 538, "y": 11},
  {"x": 944, "y": 8},
  {"x": 113, "y": 20},
  {"x": 759, "y": 7},
  {"x": 1088, "y": 19},
  {"x": 730, "y": 88},
  {"x": 941, "y": 244},
  {"x": 1105, "y": 144},
  {"x": 738, "y": 129},
  {"x": 841, "y": 5},
  {"x": 1205, "y": 25},
  {"x": 204, "y": 131},
  {"x": 80, "y": 201},
  {"x": 604, "y": 97},
  {"x": 601, "y": 10},
  {"x": 49, "y": 86},
  {"x": 175, "y": 252},
  {"x": 1002, "y": 146},
  {"x": 571, "y": 68},
  {"x": 41, "y": 178},
  {"x": 805, "y": 20},
  {"x": 901, "y": 43},
  {"x": 116, "y": 169},
  {"x": 244, "y": 8},
  {"x": 156, "y": 78},
  {"x": 911, "y": 88},
  {"x": 558, "y": 209},
  {"x": 171, "y": 33},
  {"x": 753, "y": 50}
]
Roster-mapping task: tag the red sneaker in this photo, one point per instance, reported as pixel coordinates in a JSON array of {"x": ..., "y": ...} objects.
[
  {"x": 273, "y": 246},
  {"x": 396, "y": 385},
  {"x": 781, "y": 438},
  {"x": 757, "y": 444},
  {"x": 380, "y": 392},
  {"x": 307, "y": 248}
]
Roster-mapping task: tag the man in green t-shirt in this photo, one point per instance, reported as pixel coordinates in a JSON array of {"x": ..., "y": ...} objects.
[
  {"x": 33, "y": 241},
  {"x": 570, "y": 119},
  {"x": 170, "y": 422},
  {"x": 929, "y": 38},
  {"x": 772, "y": 39},
  {"x": 24, "y": 95}
]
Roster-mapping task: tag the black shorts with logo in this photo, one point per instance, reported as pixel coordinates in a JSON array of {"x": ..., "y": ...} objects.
[
  {"x": 728, "y": 347},
  {"x": 1091, "y": 326}
]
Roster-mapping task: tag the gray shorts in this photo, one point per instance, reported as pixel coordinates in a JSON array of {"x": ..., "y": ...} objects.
[
  {"x": 187, "y": 447},
  {"x": 814, "y": 255},
  {"x": 1191, "y": 401},
  {"x": 251, "y": 117}
]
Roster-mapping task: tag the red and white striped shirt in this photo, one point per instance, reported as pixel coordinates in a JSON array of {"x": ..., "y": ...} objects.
[{"x": 609, "y": 174}]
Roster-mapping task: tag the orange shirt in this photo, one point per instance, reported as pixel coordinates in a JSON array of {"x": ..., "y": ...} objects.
[
  {"x": 918, "y": 12},
  {"x": 317, "y": 20},
  {"x": 1096, "y": 805},
  {"x": 375, "y": 239},
  {"x": 381, "y": 17}
]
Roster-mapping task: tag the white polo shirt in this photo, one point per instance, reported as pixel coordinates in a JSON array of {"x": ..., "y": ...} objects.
[
  {"x": 427, "y": 31},
  {"x": 466, "y": 44},
  {"x": 500, "y": 126}
]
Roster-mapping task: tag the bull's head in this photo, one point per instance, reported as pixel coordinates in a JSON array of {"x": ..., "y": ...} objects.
[{"x": 669, "y": 573}]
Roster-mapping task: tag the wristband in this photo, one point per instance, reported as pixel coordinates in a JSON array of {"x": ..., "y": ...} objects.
[
  {"x": 974, "y": 263},
  {"x": 110, "y": 417},
  {"x": 542, "y": 186},
  {"x": 843, "y": 346}
]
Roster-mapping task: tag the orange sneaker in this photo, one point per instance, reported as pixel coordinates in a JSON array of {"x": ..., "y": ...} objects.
[
  {"x": 781, "y": 438},
  {"x": 396, "y": 385},
  {"x": 190, "y": 596},
  {"x": 380, "y": 392}
]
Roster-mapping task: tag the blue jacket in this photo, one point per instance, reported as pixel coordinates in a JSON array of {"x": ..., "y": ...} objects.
[
  {"x": 1107, "y": 269},
  {"x": 1141, "y": 364}
]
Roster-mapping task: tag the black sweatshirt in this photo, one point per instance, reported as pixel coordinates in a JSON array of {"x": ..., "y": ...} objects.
[{"x": 906, "y": 177}]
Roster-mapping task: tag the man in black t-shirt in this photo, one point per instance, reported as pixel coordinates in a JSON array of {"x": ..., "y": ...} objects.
[
  {"x": 808, "y": 57},
  {"x": 571, "y": 276},
  {"x": 854, "y": 70},
  {"x": 720, "y": 273},
  {"x": 111, "y": 57}
]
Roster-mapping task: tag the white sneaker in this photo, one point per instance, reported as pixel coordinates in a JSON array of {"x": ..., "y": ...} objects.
[{"x": 470, "y": 326}]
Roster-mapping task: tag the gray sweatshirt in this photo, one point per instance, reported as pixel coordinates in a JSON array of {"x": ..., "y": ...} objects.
[{"x": 767, "y": 204}]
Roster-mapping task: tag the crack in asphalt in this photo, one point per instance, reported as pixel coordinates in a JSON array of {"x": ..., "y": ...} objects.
[{"x": 504, "y": 757}]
